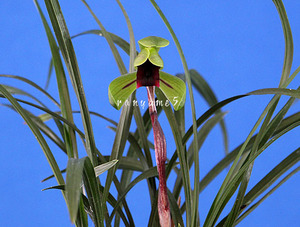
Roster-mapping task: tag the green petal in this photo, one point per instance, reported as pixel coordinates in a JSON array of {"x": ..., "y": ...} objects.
[
  {"x": 154, "y": 58},
  {"x": 173, "y": 88},
  {"x": 142, "y": 57},
  {"x": 120, "y": 89},
  {"x": 153, "y": 41}
]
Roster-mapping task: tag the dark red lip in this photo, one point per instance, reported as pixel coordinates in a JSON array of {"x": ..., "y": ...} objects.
[{"x": 147, "y": 75}]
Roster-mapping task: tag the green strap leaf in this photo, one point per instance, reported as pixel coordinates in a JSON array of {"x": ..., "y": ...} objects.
[
  {"x": 63, "y": 90},
  {"x": 173, "y": 88},
  {"x": 288, "y": 39},
  {"x": 104, "y": 167},
  {"x": 277, "y": 91},
  {"x": 68, "y": 53},
  {"x": 73, "y": 185},
  {"x": 120, "y": 89},
  {"x": 35, "y": 130},
  {"x": 209, "y": 96}
]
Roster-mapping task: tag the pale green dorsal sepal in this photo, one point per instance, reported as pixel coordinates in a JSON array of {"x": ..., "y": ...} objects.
[
  {"x": 154, "y": 41},
  {"x": 120, "y": 89},
  {"x": 142, "y": 57},
  {"x": 154, "y": 57},
  {"x": 173, "y": 88}
]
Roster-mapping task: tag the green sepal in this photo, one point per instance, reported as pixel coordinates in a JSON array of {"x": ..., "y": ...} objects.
[
  {"x": 120, "y": 89},
  {"x": 142, "y": 57},
  {"x": 154, "y": 57},
  {"x": 153, "y": 41},
  {"x": 149, "y": 50},
  {"x": 173, "y": 88}
]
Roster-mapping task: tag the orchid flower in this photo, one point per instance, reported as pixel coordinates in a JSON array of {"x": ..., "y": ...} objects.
[{"x": 148, "y": 64}]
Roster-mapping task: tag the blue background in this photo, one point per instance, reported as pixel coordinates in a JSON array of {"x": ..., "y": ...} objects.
[{"x": 237, "y": 46}]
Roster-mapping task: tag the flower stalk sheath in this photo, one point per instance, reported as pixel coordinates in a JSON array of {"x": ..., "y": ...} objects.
[{"x": 161, "y": 157}]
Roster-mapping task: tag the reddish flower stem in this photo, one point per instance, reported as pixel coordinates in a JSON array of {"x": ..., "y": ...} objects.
[{"x": 161, "y": 157}]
